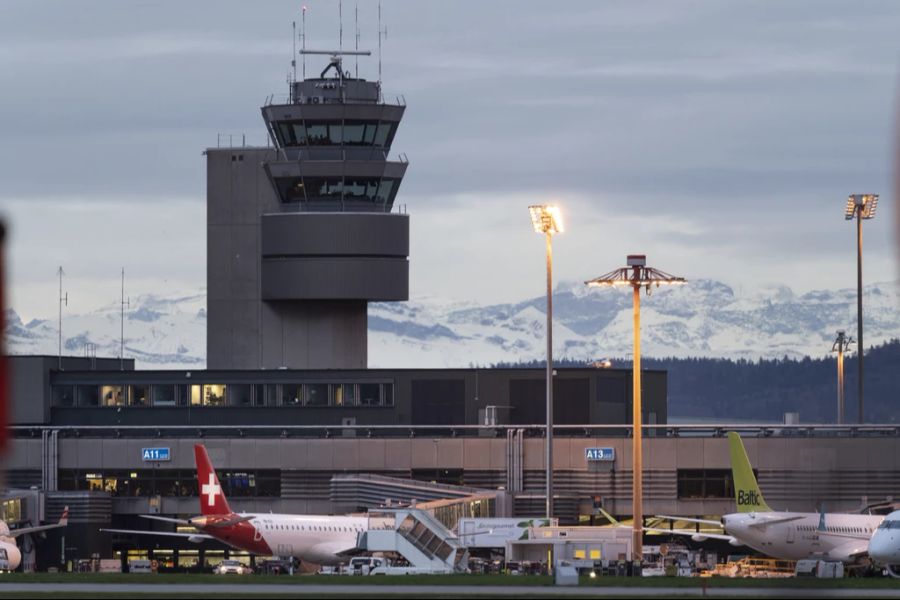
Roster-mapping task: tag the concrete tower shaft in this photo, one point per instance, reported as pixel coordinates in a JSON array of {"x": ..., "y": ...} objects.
[{"x": 301, "y": 236}]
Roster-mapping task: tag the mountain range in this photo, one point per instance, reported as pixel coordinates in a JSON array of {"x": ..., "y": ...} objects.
[{"x": 705, "y": 318}]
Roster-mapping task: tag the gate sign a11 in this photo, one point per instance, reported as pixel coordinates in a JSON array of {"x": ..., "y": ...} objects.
[{"x": 155, "y": 454}]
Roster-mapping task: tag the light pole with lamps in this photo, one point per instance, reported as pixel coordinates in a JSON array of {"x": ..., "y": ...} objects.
[
  {"x": 637, "y": 275},
  {"x": 547, "y": 220},
  {"x": 861, "y": 206},
  {"x": 841, "y": 343}
]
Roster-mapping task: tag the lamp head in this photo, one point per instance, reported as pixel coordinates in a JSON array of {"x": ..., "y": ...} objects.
[
  {"x": 546, "y": 218},
  {"x": 862, "y": 204}
]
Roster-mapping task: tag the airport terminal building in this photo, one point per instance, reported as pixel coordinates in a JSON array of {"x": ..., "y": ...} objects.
[{"x": 114, "y": 444}]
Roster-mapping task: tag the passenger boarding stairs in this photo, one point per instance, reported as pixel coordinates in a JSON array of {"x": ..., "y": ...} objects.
[{"x": 415, "y": 535}]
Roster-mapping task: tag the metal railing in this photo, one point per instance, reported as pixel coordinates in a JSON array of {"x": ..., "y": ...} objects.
[
  {"x": 453, "y": 431},
  {"x": 239, "y": 140}
]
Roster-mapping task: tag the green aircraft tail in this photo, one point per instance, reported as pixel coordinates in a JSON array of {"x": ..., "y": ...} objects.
[{"x": 746, "y": 490}]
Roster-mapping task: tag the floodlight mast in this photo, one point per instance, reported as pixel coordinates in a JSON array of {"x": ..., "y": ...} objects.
[
  {"x": 861, "y": 206},
  {"x": 637, "y": 275},
  {"x": 841, "y": 344},
  {"x": 547, "y": 220}
]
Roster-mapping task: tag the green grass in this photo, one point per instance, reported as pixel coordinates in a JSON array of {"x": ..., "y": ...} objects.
[
  {"x": 446, "y": 580},
  {"x": 188, "y": 578}
]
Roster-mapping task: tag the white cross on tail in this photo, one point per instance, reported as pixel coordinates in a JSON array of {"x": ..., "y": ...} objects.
[{"x": 211, "y": 490}]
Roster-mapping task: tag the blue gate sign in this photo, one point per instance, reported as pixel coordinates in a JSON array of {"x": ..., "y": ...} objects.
[
  {"x": 155, "y": 454},
  {"x": 600, "y": 454}
]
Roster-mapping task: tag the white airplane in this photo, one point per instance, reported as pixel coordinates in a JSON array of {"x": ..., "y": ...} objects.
[
  {"x": 321, "y": 540},
  {"x": 10, "y": 555},
  {"x": 884, "y": 547},
  {"x": 786, "y": 535}
]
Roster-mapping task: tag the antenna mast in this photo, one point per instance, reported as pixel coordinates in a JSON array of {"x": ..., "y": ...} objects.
[
  {"x": 341, "y": 25},
  {"x": 294, "y": 51},
  {"x": 357, "y": 39},
  {"x": 303, "y": 41},
  {"x": 380, "y": 33},
  {"x": 123, "y": 302},
  {"x": 62, "y": 299}
]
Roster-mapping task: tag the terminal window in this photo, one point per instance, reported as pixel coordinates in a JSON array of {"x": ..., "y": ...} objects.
[
  {"x": 112, "y": 395},
  {"x": 705, "y": 483}
]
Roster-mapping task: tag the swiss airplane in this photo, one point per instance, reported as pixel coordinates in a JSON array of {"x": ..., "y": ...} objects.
[
  {"x": 10, "y": 555},
  {"x": 321, "y": 540},
  {"x": 787, "y": 535}
]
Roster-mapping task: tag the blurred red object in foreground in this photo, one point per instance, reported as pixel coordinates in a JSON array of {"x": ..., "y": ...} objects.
[{"x": 4, "y": 373}]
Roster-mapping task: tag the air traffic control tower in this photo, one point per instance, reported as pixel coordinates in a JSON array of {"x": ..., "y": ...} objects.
[{"x": 302, "y": 235}]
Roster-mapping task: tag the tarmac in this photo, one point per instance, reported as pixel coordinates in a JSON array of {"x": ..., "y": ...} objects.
[{"x": 421, "y": 591}]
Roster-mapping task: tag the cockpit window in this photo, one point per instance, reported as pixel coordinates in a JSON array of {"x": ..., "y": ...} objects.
[{"x": 893, "y": 524}]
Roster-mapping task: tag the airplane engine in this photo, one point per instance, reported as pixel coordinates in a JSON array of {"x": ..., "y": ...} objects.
[
  {"x": 10, "y": 557},
  {"x": 699, "y": 537}
]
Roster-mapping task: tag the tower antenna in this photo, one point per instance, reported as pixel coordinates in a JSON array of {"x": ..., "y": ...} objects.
[
  {"x": 357, "y": 39},
  {"x": 341, "y": 25},
  {"x": 303, "y": 40},
  {"x": 294, "y": 48},
  {"x": 123, "y": 303},
  {"x": 381, "y": 32},
  {"x": 63, "y": 299}
]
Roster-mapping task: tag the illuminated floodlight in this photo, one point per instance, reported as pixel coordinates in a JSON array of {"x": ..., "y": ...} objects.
[
  {"x": 862, "y": 204},
  {"x": 546, "y": 218}
]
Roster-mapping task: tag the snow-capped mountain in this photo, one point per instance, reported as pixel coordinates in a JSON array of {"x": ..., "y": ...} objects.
[{"x": 704, "y": 318}]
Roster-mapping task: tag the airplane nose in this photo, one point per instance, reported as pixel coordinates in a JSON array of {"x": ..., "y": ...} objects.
[{"x": 878, "y": 548}]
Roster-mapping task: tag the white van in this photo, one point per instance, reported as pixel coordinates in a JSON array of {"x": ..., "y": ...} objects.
[{"x": 363, "y": 565}]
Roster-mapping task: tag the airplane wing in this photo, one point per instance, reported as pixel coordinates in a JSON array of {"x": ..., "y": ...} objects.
[
  {"x": 336, "y": 548},
  {"x": 697, "y": 534},
  {"x": 166, "y": 519},
  {"x": 63, "y": 521},
  {"x": 689, "y": 520},
  {"x": 190, "y": 536},
  {"x": 230, "y": 522}
]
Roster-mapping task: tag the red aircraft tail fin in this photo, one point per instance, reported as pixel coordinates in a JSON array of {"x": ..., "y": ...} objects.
[{"x": 212, "y": 498}]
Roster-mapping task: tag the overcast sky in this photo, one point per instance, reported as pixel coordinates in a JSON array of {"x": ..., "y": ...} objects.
[{"x": 721, "y": 139}]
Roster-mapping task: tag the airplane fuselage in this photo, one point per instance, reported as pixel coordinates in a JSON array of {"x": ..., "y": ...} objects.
[
  {"x": 315, "y": 539},
  {"x": 797, "y": 536}
]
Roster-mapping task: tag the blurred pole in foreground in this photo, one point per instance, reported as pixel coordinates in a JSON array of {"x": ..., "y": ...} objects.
[{"x": 4, "y": 373}]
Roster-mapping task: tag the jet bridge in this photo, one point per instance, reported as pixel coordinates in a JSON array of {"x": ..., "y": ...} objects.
[{"x": 415, "y": 535}]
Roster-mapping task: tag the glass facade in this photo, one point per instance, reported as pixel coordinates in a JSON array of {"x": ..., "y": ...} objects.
[
  {"x": 335, "y": 133},
  {"x": 375, "y": 190},
  {"x": 319, "y": 394},
  {"x": 705, "y": 483},
  {"x": 169, "y": 482}
]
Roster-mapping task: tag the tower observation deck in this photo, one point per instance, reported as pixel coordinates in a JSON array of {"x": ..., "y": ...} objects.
[{"x": 301, "y": 235}]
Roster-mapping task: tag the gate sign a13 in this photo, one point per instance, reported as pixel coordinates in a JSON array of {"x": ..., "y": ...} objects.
[{"x": 600, "y": 454}]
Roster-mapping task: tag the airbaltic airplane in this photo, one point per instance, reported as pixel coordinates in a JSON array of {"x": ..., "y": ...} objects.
[
  {"x": 317, "y": 539},
  {"x": 10, "y": 555},
  {"x": 884, "y": 547},
  {"x": 786, "y": 535}
]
